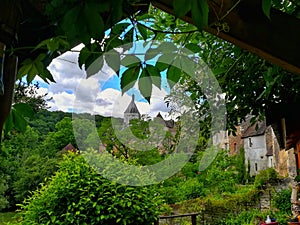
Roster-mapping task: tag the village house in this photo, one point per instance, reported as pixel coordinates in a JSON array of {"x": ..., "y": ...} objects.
[
  {"x": 259, "y": 141},
  {"x": 285, "y": 122},
  {"x": 260, "y": 144}
]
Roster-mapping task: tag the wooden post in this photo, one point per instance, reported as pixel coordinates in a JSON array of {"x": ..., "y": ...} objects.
[
  {"x": 10, "y": 19},
  {"x": 194, "y": 219}
]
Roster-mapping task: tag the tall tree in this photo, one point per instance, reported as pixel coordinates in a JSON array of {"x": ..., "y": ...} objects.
[{"x": 28, "y": 93}]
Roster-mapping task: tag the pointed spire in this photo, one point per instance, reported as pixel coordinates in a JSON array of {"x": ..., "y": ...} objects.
[{"x": 132, "y": 108}]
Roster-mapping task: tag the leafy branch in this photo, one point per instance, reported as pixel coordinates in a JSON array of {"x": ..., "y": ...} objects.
[{"x": 166, "y": 32}]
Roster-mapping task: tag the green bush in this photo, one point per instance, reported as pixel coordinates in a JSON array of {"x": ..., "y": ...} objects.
[
  {"x": 31, "y": 173},
  {"x": 192, "y": 188},
  {"x": 3, "y": 188},
  {"x": 79, "y": 195},
  {"x": 244, "y": 218},
  {"x": 282, "y": 200},
  {"x": 268, "y": 176}
]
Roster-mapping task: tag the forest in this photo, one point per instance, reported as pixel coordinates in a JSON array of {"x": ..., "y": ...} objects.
[{"x": 52, "y": 185}]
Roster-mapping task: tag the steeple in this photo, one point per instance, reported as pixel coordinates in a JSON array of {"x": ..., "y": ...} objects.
[
  {"x": 131, "y": 112},
  {"x": 132, "y": 108}
]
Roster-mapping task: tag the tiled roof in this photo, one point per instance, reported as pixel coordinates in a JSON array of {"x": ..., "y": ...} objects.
[
  {"x": 168, "y": 123},
  {"x": 69, "y": 147},
  {"x": 256, "y": 129}
]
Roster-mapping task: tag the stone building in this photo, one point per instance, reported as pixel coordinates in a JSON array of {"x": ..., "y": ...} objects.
[
  {"x": 261, "y": 147},
  {"x": 235, "y": 141},
  {"x": 258, "y": 146},
  {"x": 221, "y": 140}
]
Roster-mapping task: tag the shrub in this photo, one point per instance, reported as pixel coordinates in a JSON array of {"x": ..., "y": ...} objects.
[
  {"x": 281, "y": 200},
  {"x": 31, "y": 172},
  {"x": 79, "y": 195},
  {"x": 268, "y": 176},
  {"x": 243, "y": 218},
  {"x": 192, "y": 188},
  {"x": 3, "y": 188}
]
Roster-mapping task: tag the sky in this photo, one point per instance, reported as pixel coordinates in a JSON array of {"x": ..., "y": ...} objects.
[{"x": 99, "y": 94}]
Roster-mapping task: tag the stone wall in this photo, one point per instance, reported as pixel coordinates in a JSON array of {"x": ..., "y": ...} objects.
[
  {"x": 291, "y": 163},
  {"x": 236, "y": 142}
]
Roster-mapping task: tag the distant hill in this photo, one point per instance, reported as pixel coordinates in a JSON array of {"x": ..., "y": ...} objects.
[{"x": 44, "y": 121}]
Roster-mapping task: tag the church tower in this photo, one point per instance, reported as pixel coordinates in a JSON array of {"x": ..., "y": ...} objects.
[{"x": 131, "y": 112}]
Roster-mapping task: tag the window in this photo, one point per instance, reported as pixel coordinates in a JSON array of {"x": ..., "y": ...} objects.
[
  {"x": 255, "y": 166},
  {"x": 226, "y": 146},
  {"x": 271, "y": 162},
  {"x": 234, "y": 147},
  {"x": 250, "y": 142}
]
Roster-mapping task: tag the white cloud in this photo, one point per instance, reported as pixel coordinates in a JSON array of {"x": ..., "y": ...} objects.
[
  {"x": 66, "y": 73},
  {"x": 73, "y": 92},
  {"x": 62, "y": 101}
]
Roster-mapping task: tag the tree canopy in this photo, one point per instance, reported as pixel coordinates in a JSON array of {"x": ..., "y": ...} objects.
[{"x": 251, "y": 84}]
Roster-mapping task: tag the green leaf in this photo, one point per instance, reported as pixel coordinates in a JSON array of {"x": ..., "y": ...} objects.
[
  {"x": 94, "y": 21},
  {"x": 95, "y": 67},
  {"x": 151, "y": 53},
  {"x": 19, "y": 121},
  {"x": 266, "y": 7},
  {"x": 117, "y": 11},
  {"x": 32, "y": 68},
  {"x": 205, "y": 11},
  {"x": 193, "y": 47},
  {"x": 129, "y": 77},
  {"x": 145, "y": 16},
  {"x": 187, "y": 65},
  {"x": 119, "y": 28},
  {"x": 182, "y": 7},
  {"x": 88, "y": 57},
  {"x": 143, "y": 31},
  {"x": 164, "y": 61},
  {"x": 8, "y": 124},
  {"x": 219, "y": 70},
  {"x": 54, "y": 44},
  {"x": 161, "y": 66},
  {"x": 167, "y": 47},
  {"x": 24, "y": 109},
  {"x": 128, "y": 37},
  {"x": 69, "y": 22},
  {"x": 154, "y": 73},
  {"x": 173, "y": 75},
  {"x": 130, "y": 61},
  {"x": 200, "y": 13},
  {"x": 25, "y": 68},
  {"x": 145, "y": 85},
  {"x": 113, "y": 60},
  {"x": 113, "y": 42},
  {"x": 83, "y": 56}
]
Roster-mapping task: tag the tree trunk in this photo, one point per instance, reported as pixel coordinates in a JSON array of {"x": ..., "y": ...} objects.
[
  {"x": 10, "y": 19},
  {"x": 9, "y": 78}
]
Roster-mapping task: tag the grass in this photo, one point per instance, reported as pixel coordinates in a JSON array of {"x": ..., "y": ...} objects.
[{"x": 7, "y": 217}]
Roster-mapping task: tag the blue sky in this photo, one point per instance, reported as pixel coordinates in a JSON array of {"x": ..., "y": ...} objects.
[{"x": 99, "y": 94}]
